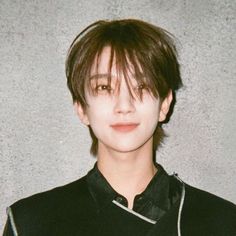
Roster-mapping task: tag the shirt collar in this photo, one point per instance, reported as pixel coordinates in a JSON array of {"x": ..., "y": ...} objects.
[
  {"x": 157, "y": 196},
  {"x": 100, "y": 189},
  {"x": 157, "y": 191}
]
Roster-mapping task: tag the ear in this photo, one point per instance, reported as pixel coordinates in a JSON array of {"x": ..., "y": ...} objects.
[
  {"x": 81, "y": 113},
  {"x": 165, "y": 106}
]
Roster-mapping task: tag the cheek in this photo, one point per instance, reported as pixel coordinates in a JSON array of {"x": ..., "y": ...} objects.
[
  {"x": 151, "y": 114},
  {"x": 151, "y": 109},
  {"x": 98, "y": 113},
  {"x": 151, "y": 120}
]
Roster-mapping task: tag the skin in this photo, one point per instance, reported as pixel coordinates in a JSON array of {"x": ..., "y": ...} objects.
[{"x": 124, "y": 127}]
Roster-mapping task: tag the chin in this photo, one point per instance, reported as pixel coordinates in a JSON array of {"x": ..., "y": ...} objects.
[
  {"x": 126, "y": 145},
  {"x": 128, "y": 148}
]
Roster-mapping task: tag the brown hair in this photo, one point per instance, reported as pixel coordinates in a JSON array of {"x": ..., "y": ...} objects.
[{"x": 150, "y": 50}]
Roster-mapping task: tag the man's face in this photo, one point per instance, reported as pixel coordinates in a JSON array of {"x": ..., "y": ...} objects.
[{"x": 121, "y": 122}]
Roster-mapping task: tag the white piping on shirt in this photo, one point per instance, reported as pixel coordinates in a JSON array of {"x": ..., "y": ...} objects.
[
  {"x": 134, "y": 213},
  {"x": 12, "y": 222},
  {"x": 180, "y": 205},
  {"x": 15, "y": 233},
  {"x": 153, "y": 221}
]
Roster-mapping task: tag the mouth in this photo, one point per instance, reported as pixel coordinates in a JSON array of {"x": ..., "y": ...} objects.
[{"x": 124, "y": 127}]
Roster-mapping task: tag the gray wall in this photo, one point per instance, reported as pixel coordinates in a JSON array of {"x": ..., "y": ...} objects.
[{"x": 43, "y": 144}]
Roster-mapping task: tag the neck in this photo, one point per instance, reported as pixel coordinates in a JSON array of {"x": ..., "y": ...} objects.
[{"x": 127, "y": 172}]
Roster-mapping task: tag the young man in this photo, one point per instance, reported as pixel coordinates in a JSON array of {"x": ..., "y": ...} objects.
[{"x": 122, "y": 75}]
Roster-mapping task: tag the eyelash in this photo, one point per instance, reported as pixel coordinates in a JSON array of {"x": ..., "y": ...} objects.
[
  {"x": 103, "y": 87},
  {"x": 142, "y": 86},
  {"x": 107, "y": 88}
]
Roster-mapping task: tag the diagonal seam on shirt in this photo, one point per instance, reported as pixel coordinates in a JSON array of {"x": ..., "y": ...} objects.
[{"x": 134, "y": 213}]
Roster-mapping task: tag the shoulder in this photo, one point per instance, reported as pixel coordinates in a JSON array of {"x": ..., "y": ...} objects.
[
  {"x": 208, "y": 212},
  {"x": 54, "y": 196},
  {"x": 204, "y": 200},
  {"x": 71, "y": 201}
]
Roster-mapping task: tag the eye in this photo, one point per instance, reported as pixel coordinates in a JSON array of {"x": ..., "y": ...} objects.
[
  {"x": 103, "y": 87},
  {"x": 141, "y": 90},
  {"x": 142, "y": 87}
]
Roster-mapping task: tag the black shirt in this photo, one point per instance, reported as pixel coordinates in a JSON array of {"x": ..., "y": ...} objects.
[
  {"x": 90, "y": 207},
  {"x": 152, "y": 203}
]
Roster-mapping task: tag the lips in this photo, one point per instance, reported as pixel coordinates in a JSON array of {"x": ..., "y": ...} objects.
[{"x": 124, "y": 127}]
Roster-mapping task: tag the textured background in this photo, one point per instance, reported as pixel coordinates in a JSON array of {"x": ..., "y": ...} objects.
[{"x": 43, "y": 144}]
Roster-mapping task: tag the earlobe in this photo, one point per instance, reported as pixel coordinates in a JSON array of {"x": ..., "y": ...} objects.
[
  {"x": 165, "y": 106},
  {"x": 81, "y": 113}
]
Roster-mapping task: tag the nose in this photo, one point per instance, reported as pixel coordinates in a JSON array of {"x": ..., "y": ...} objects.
[{"x": 124, "y": 102}]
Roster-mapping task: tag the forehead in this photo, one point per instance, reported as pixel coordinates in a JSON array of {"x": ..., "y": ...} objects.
[
  {"x": 106, "y": 62},
  {"x": 101, "y": 62}
]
